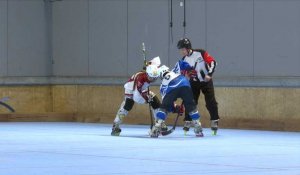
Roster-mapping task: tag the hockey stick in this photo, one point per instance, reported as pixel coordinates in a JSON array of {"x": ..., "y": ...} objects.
[
  {"x": 145, "y": 64},
  {"x": 2, "y": 102},
  {"x": 144, "y": 56}
]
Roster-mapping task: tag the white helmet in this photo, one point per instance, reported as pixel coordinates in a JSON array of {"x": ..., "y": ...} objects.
[
  {"x": 152, "y": 71},
  {"x": 155, "y": 61},
  {"x": 163, "y": 69}
]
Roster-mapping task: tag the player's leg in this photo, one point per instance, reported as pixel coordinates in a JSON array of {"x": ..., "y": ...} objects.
[
  {"x": 155, "y": 104},
  {"x": 211, "y": 105},
  {"x": 196, "y": 93},
  {"x": 161, "y": 115},
  {"x": 191, "y": 109},
  {"x": 125, "y": 107}
]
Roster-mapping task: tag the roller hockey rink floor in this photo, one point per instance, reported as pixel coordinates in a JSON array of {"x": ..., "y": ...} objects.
[{"x": 88, "y": 149}]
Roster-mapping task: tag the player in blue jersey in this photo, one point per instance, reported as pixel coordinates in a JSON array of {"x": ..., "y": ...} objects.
[{"x": 175, "y": 86}]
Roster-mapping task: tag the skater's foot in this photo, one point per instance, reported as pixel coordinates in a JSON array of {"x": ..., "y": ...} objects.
[
  {"x": 198, "y": 128},
  {"x": 214, "y": 126},
  {"x": 156, "y": 129},
  {"x": 187, "y": 126},
  {"x": 116, "y": 130},
  {"x": 164, "y": 127}
]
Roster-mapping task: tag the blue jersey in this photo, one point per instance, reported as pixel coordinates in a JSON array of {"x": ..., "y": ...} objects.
[
  {"x": 172, "y": 81},
  {"x": 182, "y": 65}
]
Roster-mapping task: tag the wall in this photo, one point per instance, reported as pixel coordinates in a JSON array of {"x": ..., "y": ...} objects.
[
  {"x": 249, "y": 38},
  {"x": 24, "y": 47},
  {"x": 250, "y": 108},
  {"x": 85, "y": 43}
]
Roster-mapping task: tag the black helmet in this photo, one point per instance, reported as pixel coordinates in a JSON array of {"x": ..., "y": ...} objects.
[{"x": 184, "y": 43}]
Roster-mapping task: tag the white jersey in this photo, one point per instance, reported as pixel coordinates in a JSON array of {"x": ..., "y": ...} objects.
[
  {"x": 168, "y": 78},
  {"x": 191, "y": 59},
  {"x": 201, "y": 70},
  {"x": 136, "y": 85},
  {"x": 196, "y": 61}
]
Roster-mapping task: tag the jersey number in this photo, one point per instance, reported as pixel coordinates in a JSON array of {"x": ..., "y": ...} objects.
[{"x": 167, "y": 77}]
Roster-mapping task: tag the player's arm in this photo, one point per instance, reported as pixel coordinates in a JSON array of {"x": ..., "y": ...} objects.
[
  {"x": 210, "y": 61},
  {"x": 140, "y": 81}
]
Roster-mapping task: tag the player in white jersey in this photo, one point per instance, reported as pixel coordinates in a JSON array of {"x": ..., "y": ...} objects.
[
  {"x": 175, "y": 86},
  {"x": 199, "y": 66},
  {"x": 136, "y": 91}
]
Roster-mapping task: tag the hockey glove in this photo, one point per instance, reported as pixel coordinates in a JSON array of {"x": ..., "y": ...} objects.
[
  {"x": 148, "y": 96},
  {"x": 179, "y": 109},
  {"x": 192, "y": 73}
]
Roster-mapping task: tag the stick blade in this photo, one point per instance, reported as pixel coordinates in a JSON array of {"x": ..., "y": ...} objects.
[
  {"x": 7, "y": 106},
  {"x": 167, "y": 132}
]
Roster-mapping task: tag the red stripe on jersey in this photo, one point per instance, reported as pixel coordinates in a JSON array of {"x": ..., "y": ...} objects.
[
  {"x": 208, "y": 58},
  {"x": 139, "y": 79}
]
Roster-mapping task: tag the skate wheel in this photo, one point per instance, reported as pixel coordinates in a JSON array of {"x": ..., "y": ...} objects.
[
  {"x": 115, "y": 134},
  {"x": 186, "y": 129},
  {"x": 200, "y": 135},
  {"x": 154, "y": 136}
]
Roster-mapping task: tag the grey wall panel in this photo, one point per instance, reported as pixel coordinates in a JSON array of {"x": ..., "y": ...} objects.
[
  {"x": 27, "y": 39},
  {"x": 108, "y": 38},
  {"x": 3, "y": 37},
  {"x": 249, "y": 38},
  {"x": 230, "y": 36},
  {"x": 277, "y": 38},
  {"x": 70, "y": 38},
  {"x": 147, "y": 22}
]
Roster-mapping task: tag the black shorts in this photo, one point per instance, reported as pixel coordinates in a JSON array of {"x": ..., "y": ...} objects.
[{"x": 185, "y": 93}]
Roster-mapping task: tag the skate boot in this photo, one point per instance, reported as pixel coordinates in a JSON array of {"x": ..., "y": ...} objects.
[
  {"x": 186, "y": 127},
  {"x": 116, "y": 126},
  {"x": 198, "y": 128},
  {"x": 156, "y": 129},
  {"x": 116, "y": 130},
  {"x": 164, "y": 127},
  {"x": 214, "y": 126}
]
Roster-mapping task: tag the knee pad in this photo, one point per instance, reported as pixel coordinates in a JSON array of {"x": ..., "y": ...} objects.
[
  {"x": 194, "y": 114},
  {"x": 128, "y": 104},
  {"x": 161, "y": 114},
  {"x": 155, "y": 103},
  {"x": 190, "y": 107}
]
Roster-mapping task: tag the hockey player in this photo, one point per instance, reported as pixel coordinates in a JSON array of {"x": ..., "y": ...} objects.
[
  {"x": 175, "y": 86},
  {"x": 136, "y": 90},
  {"x": 199, "y": 66}
]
